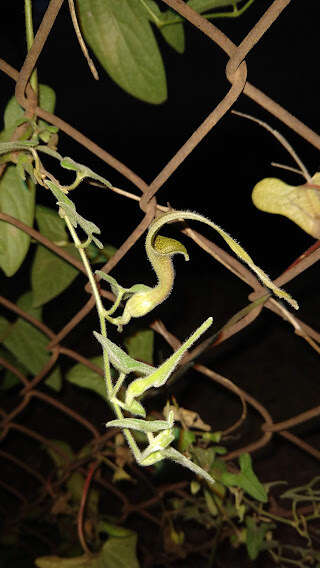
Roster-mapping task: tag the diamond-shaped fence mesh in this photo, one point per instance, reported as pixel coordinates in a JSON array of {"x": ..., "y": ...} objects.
[{"x": 14, "y": 419}]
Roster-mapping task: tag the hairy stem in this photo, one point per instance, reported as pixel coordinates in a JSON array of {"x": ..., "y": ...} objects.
[
  {"x": 100, "y": 309},
  {"x": 30, "y": 38}
]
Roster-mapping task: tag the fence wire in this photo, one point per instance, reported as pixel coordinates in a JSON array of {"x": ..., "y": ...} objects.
[{"x": 236, "y": 72}]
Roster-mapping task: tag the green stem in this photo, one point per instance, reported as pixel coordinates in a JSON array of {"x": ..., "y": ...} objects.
[
  {"x": 236, "y": 12},
  {"x": 117, "y": 410},
  {"x": 269, "y": 515},
  {"x": 30, "y": 38}
]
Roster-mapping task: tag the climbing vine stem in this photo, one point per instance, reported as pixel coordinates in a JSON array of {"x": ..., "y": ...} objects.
[{"x": 30, "y": 38}]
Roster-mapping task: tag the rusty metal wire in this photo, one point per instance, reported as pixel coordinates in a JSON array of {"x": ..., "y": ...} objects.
[{"x": 236, "y": 72}]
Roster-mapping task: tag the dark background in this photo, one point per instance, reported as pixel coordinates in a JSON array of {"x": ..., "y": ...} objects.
[
  {"x": 267, "y": 359},
  {"x": 236, "y": 154}
]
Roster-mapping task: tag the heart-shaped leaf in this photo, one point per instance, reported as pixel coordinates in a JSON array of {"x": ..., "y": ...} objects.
[
  {"x": 300, "y": 204},
  {"x": 256, "y": 534},
  {"x": 246, "y": 479}
]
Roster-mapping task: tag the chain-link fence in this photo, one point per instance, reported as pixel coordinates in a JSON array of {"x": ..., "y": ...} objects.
[{"x": 236, "y": 72}]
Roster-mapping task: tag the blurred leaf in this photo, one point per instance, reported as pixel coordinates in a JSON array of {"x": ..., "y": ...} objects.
[
  {"x": 54, "y": 380},
  {"x": 25, "y": 303},
  {"x": 84, "y": 561},
  {"x": 204, "y": 457},
  {"x": 212, "y": 507},
  {"x": 194, "y": 487},
  {"x": 186, "y": 438},
  {"x": 122, "y": 39},
  {"x": 246, "y": 479},
  {"x": 17, "y": 200},
  {"x": 256, "y": 537},
  {"x": 58, "y": 458},
  {"x": 140, "y": 345},
  {"x": 28, "y": 343},
  {"x": 212, "y": 436},
  {"x": 75, "y": 485},
  {"x": 84, "y": 377},
  {"x": 204, "y": 5},
  {"x": 189, "y": 418},
  {"x": 50, "y": 275},
  {"x": 4, "y": 323},
  {"x": 113, "y": 530},
  {"x": 300, "y": 204},
  {"x": 120, "y": 475},
  {"x": 100, "y": 255},
  {"x": 10, "y": 380},
  {"x": 117, "y": 552},
  {"x": 120, "y": 552}
]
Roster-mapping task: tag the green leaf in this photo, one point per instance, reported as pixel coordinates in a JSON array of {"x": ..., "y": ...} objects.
[
  {"x": 205, "y": 457},
  {"x": 25, "y": 302},
  {"x": 14, "y": 113},
  {"x": 51, "y": 225},
  {"x": 113, "y": 530},
  {"x": 70, "y": 211},
  {"x": 47, "y": 101},
  {"x": 84, "y": 377},
  {"x": 140, "y": 345},
  {"x": 300, "y": 204},
  {"x": 121, "y": 360},
  {"x": 204, "y": 5},
  {"x": 56, "y": 457},
  {"x": 97, "y": 255},
  {"x": 17, "y": 200},
  {"x": 246, "y": 479},
  {"x": 186, "y": 438},
  {"x": 138, "y": 424},
  {"x": 54, "y": 380},
  {"x": 174, "y": 36},
  {"x": 160, "y": 375},
  {"x": 10, "y": 380},
  {"x": 83, "y": 171},
  {"x": 28, "y": 344},
  {"x": 117, "y": 552},
  {"x": 212, "y": 507},
  {"x": 4, "y": 323},
  {"x": 75, "y": 485},
  {"x": 50, "y": 275},
  {"x": 256, "y": 537},
  {"x": 122, "y": 39},
  {"x": 84, "y": 561},
  {"x": 120, "y": 552}
]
